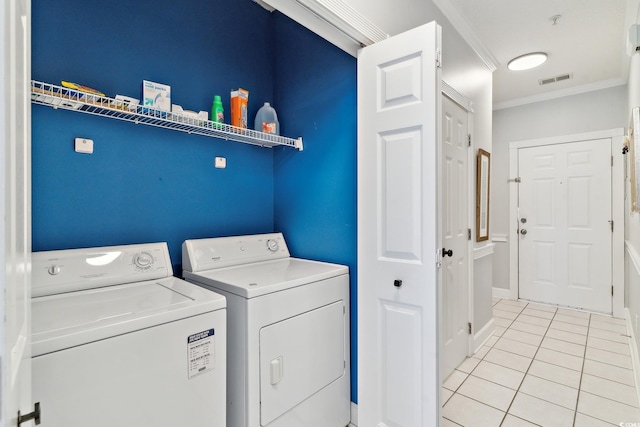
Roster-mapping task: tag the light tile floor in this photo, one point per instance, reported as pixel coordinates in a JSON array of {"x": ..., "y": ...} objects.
[{"x": 545, "y": 366}]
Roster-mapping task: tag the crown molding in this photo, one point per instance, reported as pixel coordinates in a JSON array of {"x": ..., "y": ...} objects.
[
  {"x": 547, "y": 96},
  {"x": 467, "y": 33}
]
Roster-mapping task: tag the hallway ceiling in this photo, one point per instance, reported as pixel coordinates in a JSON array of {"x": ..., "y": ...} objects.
[{"x": 588, "y": 41}]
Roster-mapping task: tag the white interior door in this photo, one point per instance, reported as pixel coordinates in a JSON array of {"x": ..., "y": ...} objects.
[
  {"x": 565, "y": 199},
  {"x": 398, "y": 299},
  {"x": 15, "y": 205},
  {"x": 455, "y": 225}
]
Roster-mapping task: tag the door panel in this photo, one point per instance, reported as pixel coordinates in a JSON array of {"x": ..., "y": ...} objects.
[
  {"x": 398, "y": 102},
  {"x": 15, "y": 143},
  {"x": 565, "y": 197},
  {"x": 402, "y": 363},
  {"x": 455, "y": 289},
  {"x": 399, "y": 208}
]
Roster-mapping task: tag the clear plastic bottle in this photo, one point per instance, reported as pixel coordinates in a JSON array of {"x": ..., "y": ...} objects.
[{"x": 267, "y": 120}]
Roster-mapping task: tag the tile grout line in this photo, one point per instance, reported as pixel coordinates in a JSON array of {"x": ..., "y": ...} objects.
[
  {"x": 584, "y": 357},
  {"x": 544, "y": 336},
  {"x": 474, "y": 368},
  {"x": 528, "y": 368},
  {"x": 518, "y": 390},
  {"x": 593, "y": 394}
]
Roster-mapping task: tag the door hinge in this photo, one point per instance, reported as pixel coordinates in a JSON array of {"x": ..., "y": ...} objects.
[
  {"x": 611, "y": 290},
  {"x": 35, "y": 416},
  {"x": 469, "y": 139},
  {"x": 468, "y": 234},
  {"x": 611, "y": 224},
  {"x": 470, "y": 328},
  {"x": 438, "y": 58},
  {"x": 611, "y": 160}
]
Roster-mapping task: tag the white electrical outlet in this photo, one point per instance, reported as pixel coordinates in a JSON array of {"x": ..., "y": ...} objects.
[
  {"x": 84, "y": 145},
  {"x": 221, "y": 162}
]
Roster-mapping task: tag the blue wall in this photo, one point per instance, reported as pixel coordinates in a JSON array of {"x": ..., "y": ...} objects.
[
  {"x": 145, "y": 184},
  {"x": 315, "y": 190}
]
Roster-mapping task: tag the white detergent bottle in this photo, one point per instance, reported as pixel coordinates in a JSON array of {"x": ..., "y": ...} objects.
[{"x": 267, "y": 120}]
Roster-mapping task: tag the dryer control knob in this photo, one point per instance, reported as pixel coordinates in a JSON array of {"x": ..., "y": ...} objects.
[
  {"x": 53, "y": 270},
  {"x": 143, "y": 260},
  {"x": 272, "y": 245}
]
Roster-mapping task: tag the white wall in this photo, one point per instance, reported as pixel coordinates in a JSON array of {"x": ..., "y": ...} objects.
[
  {"x": 632, "y": 226},
  {"x": 591, "y": 111}
]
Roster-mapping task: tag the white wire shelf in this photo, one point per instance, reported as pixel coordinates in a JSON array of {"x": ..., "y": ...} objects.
[{"x": 74, "y": 100}]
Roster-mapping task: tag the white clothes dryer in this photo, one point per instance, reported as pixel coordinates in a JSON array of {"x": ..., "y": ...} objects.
[
  {"x": 118, "y": 341},
  {"x": 288, "y": 324}
]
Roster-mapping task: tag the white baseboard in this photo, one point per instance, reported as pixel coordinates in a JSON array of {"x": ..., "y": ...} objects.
[
  {"x": 501, "y": 293},
  {"x": 480, "y": 337},
  {"x": 635, "y": 357},
  {"x": 354, "y": 415}
]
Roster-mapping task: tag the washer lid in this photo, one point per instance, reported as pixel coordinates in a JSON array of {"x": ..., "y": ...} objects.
[
  {"x": 75, "y": 318},
  {"x": 260, "y": 278}
]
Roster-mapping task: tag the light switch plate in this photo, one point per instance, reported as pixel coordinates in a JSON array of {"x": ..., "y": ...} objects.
[
  {"x": 221, "y": 162},
  {"x": 84, "y": 145}
]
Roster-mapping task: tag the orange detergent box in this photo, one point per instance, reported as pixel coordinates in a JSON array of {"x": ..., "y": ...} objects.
[{"x": 239, "y": 102}]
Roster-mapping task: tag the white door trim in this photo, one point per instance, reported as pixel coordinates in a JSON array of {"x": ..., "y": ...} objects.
[
  {"x": 466, "y": 104},
  {"x": 617, "y": 194}
]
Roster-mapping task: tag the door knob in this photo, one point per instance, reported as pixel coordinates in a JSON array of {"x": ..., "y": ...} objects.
[
  {"x": 523, "y": 231},
  {"x": 523, "y": 220},
  {"x": 446, "y": 252}
]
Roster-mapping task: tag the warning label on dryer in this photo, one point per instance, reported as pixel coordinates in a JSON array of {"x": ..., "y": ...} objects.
[{"x": 200, "y": 352}]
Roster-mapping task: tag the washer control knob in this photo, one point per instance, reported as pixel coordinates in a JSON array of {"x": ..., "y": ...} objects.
[
  {"x": 54, "y": 270},
  {"x": 143, "y": 260},
  {"x": 272, "y": 245}
]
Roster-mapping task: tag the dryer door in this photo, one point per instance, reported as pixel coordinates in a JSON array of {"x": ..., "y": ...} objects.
[{"x": 298, "y": 357}]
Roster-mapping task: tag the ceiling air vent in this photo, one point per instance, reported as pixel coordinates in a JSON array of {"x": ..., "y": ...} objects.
[{"x": 555, "y": 79}]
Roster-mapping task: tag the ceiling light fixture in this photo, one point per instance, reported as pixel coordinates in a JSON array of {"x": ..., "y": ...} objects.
[{"x": 527, "y": 61}]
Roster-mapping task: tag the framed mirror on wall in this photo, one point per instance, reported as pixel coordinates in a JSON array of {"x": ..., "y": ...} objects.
[
  {"x": 634, "y": 160},
  {"x": 482, "y": 195}
]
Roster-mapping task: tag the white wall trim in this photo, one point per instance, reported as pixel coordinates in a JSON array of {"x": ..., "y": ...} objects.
[
  {"x": 483, "y": 251},
  {"x": 480, "y": 337},
  {"x": 468, "y": 34},
  {"x": 563, "y": 139},
  {"x": 633, "y": 255},
  {"x": 333, "y": 20},
  {"x": 575, "y": 90},
  {"x": 503, "y": 293},
  {"x": 499, "y": 238},
  {"x": 635, "y": 358},
  {"x": 617, "y": 201},
  {"x": 457, "y": 97},
  {"x": 354, "y": 415}
]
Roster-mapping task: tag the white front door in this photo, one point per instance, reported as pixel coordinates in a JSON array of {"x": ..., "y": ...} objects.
[
  {"x": 15, "y": 205},
  {"x": 455, "y": 225},
  {"x": 398, "y": 233},
  {"x": 565, "y": 228}
]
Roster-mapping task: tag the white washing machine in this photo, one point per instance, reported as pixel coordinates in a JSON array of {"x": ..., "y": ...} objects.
[
  {"x": 118, "y": 341},
  {"x": 288, "y": 324}
]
